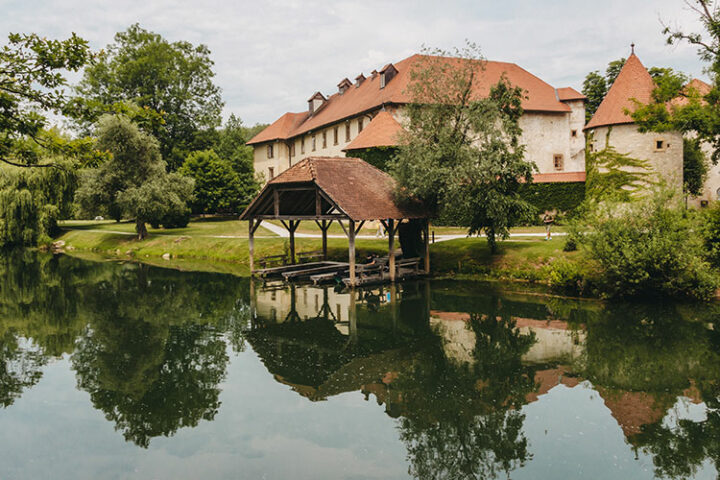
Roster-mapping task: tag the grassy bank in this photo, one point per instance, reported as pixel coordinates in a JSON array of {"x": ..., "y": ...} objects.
[{"x": 223, "y": 246}]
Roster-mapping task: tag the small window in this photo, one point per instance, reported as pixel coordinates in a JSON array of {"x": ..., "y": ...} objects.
[
  {"x": 347, "y": 132},
  {"x": 660, "y": 145},
  {"x": 573, "y": 133},
  {"x": 292, "y": 149},
  {"x": 558, "y": 162},
  {"x": 591, "y": 147},
  {"x": 302, "y": 145},
  {"x": 271, "y": 173},
  {"x": 325, "y": 139},
  {"x": 313, "y": 143},
  {"x": 360, "y": 125},
  {"x": 335, "y": 136},
  {"x": 269, "y": 151}
]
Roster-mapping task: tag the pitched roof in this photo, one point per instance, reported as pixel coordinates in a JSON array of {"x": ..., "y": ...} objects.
[
  {"x": 280, "y": 128},
  {"x": 633, "y": 82},
  {"x": 693, "y": 87},
  {"x": 566, "y": 94},
  {"x": 359, "y": 190},
  {"x": 368, "y": 96},
  {"x": 382, "y": 131}
]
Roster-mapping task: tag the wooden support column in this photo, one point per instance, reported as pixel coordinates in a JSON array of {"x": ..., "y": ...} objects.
[
  {"x": 252, "y": 226},
  {"x": 426, "y": 228},
  {"x": 324, "y": 226},
  {"x": 291, "y": 227},
  {"x": 351, "y": 251},
  {"x": 391, "y": 248}
]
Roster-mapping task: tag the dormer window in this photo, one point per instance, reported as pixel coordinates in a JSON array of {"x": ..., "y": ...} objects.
[
  {"x": 315, "y": 102},
  {"x": 359, "y": 79},
  {"x": 387, "y": 74},
  {"x": 344, "y": 85}
]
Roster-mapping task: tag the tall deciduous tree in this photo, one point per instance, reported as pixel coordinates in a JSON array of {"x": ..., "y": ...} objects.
[
  {"x": 133, "y": 182},
  {"x": 462, "y": 153},
  {"x": 31, "y": 87},
  {"x": 172, "y": 78}
]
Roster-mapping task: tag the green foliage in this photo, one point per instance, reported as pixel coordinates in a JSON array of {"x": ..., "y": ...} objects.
[
  {"x": 461, "y": 152},
  {"x": 695, "y": 167},
  {"x": 562, "y": 197},
  {"x": 568, "y": 277},
  {"x": 133, "y": 182},
  {"x": 31, "y": 86},
  {"x": 378, "y": 157},
  {"x": 32, "y": 201},
  {"x": 596, "y": 86},
  {"x": 612, "y": 175},
  {"x": 710, "y": 221},
  {"x": 218, "y": 186},
  {"x": 174, "y": 79},
  {"x": 648, "y": 248}
]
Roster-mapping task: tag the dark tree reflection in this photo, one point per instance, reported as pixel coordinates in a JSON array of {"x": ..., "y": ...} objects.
[{"x": 463, "y": 421}]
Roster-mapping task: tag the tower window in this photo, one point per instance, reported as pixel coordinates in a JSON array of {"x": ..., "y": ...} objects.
[
  {"x": 558, "y": 162},
  {"x": 269, "y": 151},
  {"x": 573, "y": 133},
  {"x": 660, "y": 145}
]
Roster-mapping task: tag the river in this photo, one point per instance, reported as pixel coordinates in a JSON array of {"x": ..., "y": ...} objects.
[{"x": 121, "y": 370}]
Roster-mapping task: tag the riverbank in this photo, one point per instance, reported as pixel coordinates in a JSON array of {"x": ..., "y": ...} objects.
[{"x": 221, "y": 245}]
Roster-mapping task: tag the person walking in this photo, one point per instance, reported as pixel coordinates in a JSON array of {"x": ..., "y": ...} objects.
[{"x": 548, "y": 220}]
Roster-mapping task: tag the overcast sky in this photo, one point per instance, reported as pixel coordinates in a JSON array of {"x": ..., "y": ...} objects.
[{"x": 270, "y": 56}]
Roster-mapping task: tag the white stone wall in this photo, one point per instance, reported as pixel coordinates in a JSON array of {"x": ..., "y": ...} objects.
[
  {"x": 712, "y": 182},
  {"x": 667, "y": 162},
  {"x": 278, "y": 163}
]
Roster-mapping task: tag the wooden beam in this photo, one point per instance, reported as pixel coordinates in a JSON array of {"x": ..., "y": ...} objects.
[
  {"x": 391, "y": 248},
  {"x": 359, "y": 227},
  {"x": 301, "y": 217},
  {"x": 276, "y": 202},
  {"x": 251, "y": 245},
  {"x": 344, "y": 229},
  {"x": 324, "y": 226},
  {"x": 351, "y": 251},
  {"x": 318, "y": 203}
]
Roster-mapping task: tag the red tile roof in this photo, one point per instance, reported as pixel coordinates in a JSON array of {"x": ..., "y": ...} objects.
[
  {"x": 368, "y": 96},
  {"x": 382, "y": 131},
  {"x": 358, "y": 189},
  {"x": 568, "y": 93},
  {"x": 280, "y": 128},
  {"x": 694, "y": 87},
  {"x": 633, "y": 82},
  {"x": 559, "y": 177}
]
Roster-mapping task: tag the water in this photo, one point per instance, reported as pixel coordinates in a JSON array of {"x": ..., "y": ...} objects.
[{"x": 114, "y": 370}]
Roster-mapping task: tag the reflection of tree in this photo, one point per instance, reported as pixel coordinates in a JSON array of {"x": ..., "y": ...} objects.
[
  {"x": 660, "y": 352},
  {"x": 19, "y": 368},
  {"x": 154, "y": 353},
  {"x": 460, "y": 421}
]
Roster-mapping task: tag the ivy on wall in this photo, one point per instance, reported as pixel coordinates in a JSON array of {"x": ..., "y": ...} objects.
[{"x": 564, "y": 197}]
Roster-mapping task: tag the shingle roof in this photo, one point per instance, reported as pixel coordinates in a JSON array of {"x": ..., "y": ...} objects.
[
  {"x": 568, "y": 93},
  {"x": 369, "y": 96},
  {"x": 382, "y": 131},
  {"x": 357, "y": 188},
  {"x": 280, "y": 128},
  {"x": 633, "y": 82}
]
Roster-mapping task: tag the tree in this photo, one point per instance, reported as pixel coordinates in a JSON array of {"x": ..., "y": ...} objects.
[
  {"x": 461, "y": 151},
  {"x": 596, "y": 86},
  {"x": 218, "y": 187},
  {"x": 31, "y": 86},
  {"x": 694, "y": 167},
  {"x": 172, "y": 78},
  {"x": 133, "y": 182}
]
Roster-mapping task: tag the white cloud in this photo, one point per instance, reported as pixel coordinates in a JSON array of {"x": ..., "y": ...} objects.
[{"x": 270, "y": 56}]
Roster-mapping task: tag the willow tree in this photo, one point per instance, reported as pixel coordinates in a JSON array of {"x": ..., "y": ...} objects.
[{"x": 461, "y": 154}]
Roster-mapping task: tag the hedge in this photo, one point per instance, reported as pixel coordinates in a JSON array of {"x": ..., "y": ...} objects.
[{"x": 564, "y": 197}]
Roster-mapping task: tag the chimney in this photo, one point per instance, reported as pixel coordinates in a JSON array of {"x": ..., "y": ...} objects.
[
  {"x": 315, "y": 102},
  {"x": 387, "y": 74},
  {"x": 344, "y": 85},
  {"x": 359, "y": 79}
]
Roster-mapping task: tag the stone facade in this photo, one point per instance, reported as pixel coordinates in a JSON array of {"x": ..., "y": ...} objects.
[{"x": 663, "y": 151}]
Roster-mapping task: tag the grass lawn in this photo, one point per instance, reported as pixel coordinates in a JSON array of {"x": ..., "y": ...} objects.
[{"x": 200, "y": 246}]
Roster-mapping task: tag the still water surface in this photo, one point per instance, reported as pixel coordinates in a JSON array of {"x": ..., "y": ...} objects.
[{"x": 114, "y": 370}]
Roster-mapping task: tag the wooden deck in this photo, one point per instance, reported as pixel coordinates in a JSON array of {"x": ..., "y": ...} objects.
[{"x": 297, "y": 268}]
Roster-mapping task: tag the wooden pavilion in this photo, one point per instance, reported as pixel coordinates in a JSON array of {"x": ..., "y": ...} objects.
[{"x": 327, "y": 189}]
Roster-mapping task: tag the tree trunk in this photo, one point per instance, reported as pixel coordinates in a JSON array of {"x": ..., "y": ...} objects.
[{"x": 141, "y": 229}]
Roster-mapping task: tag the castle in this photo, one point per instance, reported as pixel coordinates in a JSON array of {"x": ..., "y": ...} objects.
[{"x": 368, "y": 113}]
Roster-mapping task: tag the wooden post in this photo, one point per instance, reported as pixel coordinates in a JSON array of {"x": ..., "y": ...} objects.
[
  {"x": 292, "y": 243},
  {"x": 324, "y": 226},
  {"x": 351, "y": 251},
  {"x": 251, "y": 244},
  {"x": 352, "y": 317},
  {"x": 426, "y": 228},
  {"x": 391, "y": 248}
]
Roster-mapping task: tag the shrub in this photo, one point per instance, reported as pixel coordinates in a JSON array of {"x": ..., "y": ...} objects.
[
  {"x": 648, "y": 248},
  {"x": 711, "y": 233},
  {"x": 567, "y": 277}
]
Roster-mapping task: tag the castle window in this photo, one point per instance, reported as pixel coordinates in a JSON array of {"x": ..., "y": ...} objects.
[
  {"x": 573, "y": 133},
  {"x": 302, "y": 145},
  {"x": 292, "y": 149},
  {"x": 269, "y": 151},
  {"x": 360, "y": 125},
  {"x": 335, "y": 136},
  {"x": 313, "y": 143},
  {"x": 325, "y": 139},
  {"x": 271, "y": 173},
  {"x": 347, "y": 132},
  {"x": 558, "y": 162},
  {"x": 660, "y": 145}
]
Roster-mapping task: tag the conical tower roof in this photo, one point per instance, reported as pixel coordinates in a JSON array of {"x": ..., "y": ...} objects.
[{"x": 633, "y": 82}]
